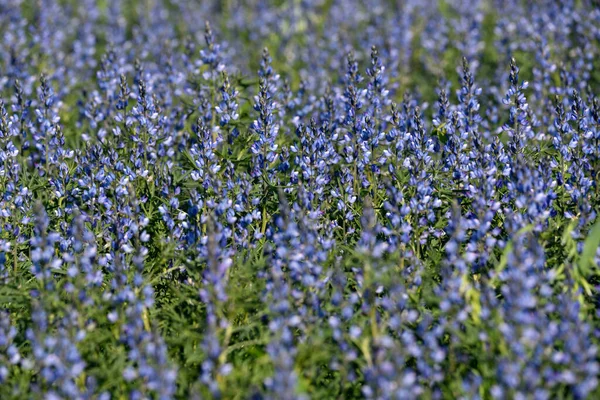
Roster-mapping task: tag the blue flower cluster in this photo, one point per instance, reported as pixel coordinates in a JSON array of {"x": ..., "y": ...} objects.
[{"x": 299, "y": 199}]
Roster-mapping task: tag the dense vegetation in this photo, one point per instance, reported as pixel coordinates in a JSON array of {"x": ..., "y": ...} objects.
[{"x": 326, "y": 199}]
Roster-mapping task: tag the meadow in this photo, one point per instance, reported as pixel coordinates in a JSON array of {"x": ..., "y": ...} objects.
[{"x": 304, "y": 199}]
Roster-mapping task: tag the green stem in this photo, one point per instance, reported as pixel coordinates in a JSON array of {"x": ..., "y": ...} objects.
[{"x": 264, "y": 220}]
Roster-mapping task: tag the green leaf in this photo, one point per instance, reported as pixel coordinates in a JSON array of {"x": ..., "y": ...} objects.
[{"x": 590, "y": 246}]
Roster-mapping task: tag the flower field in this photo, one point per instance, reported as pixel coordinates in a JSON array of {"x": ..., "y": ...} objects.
[{"x": 304, "y": 199}]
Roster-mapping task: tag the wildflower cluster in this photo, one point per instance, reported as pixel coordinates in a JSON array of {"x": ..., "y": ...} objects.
[{"x": 299, "y": 199}]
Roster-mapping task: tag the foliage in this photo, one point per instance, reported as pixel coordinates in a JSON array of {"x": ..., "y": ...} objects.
[{"x": 299, "y": 199}]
